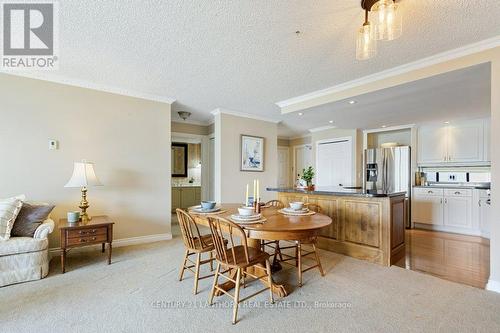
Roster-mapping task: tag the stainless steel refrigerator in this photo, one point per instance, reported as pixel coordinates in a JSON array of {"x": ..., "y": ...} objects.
[{"x": 388, "y": 170}]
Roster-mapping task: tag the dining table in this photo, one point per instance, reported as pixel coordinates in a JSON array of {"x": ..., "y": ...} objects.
[{"x": 276, "y": 226}]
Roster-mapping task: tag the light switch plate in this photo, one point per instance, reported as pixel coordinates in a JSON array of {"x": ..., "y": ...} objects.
[{"x": 53, "y": 144}]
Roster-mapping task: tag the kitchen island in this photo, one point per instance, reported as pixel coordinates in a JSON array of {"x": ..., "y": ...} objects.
[{"x": 366, "y": 225}]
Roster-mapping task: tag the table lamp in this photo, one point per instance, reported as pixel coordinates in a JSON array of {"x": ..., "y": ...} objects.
[{"x": 83, "y": 176}]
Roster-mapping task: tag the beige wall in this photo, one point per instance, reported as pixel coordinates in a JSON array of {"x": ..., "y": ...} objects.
[
  {"x": 178, "y": 127},
  {"x": 230, "y": 181},
  {"x": 357, "y": 140},
  {"x": 127, "y": 138},
  {"x": 495, "y": 173}
]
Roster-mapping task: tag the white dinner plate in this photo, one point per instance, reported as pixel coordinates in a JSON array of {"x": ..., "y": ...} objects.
[{"x": 198, "y": 209}]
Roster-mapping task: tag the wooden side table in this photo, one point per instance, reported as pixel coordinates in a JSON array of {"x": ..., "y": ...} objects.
[{"x": 99, "y": 230}]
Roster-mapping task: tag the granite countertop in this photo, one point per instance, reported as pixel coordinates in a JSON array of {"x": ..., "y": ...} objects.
[
  {"x": 339, "y": 191},
  {"x": 186, "y": 185},
  {"x": 469, "y": 187}
]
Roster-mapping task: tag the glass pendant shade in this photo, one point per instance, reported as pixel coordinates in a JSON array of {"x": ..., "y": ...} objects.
[
  {"x": 387, "y": 20},
  {"x": 366, "y": 44}
]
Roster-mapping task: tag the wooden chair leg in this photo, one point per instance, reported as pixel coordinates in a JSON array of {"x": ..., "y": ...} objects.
[
  {"x": 216, "y": 281},
  {"x": 317, "y": 260},
  {"x": 299, "y": 262},
  {"x": 211, "y": 261},
  {"x": 197, "y": 273},
  {"x": 183, "y": 267},
  {"x": 270, "y": 281},
  {"x": 297, "y": 254},
  {"x": 236, "y": 295}
]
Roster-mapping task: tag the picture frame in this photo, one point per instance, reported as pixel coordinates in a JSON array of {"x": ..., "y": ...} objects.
[
  {"x": 252, "y": 153},
  {"x": 179, "y": 160}
]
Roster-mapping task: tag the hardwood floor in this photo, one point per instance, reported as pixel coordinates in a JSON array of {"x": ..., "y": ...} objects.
[{"x": 458, "y": 258}]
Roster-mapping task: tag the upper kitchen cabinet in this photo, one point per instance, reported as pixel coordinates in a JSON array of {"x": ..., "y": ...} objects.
[
  {"x": 457, "y": 143},
  {"x": 466, "y": 142},
  {"x": 432, "y": 144}
]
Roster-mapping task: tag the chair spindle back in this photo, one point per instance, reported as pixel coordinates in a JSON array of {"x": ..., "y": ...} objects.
[{"x": 220, "y": 226}]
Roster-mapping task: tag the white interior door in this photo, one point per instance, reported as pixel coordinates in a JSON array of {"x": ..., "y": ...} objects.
[
  {"x": 334, "y": 165},
  {"x": 283, "y": 167},
  {"x": 302, "y": 159},
  {"x": 211, "y": 183}
]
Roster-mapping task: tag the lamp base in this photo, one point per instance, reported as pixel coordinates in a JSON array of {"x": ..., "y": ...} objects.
[{"x": 84, "y": 204}]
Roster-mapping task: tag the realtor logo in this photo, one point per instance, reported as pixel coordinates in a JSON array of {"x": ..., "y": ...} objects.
[{"x": 29, "y": 36}]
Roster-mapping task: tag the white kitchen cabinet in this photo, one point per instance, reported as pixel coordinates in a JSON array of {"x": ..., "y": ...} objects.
[
  {"x": 458, "y": 211},
  {"x": 487, "y": 140},
  {"x": 460, "y": 143},
  {"x": 432, "y": 144},
  {"x": 428, "y": 209},
  {"x": 484, "y": 213},
  {"x": 466, "y": 142}
]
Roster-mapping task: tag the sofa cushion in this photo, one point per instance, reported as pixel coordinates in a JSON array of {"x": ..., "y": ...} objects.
[
  {"x": 9, "y": 209},
  {"x": 17, "y": 245},
  {"x": 29, "y": 219}
]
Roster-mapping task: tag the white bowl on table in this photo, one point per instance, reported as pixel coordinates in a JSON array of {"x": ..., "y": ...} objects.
[
  {"x": 296, "y": 205},
  {"x": 246, "y": 211}
]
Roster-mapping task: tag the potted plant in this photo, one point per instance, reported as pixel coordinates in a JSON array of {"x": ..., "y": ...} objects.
[{"x": 307, "y": 176}]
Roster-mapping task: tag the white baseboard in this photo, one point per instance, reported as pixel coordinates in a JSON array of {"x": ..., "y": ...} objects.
[
  {"x": 119, "y": 243},
  {"x": 493, "y": 286}
]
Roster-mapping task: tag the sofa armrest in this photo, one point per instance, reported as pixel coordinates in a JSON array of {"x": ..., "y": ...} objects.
[{"x": 44, "y": 229}]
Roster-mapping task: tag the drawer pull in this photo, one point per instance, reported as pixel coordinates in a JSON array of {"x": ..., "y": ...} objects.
[
  {"x": 457, "y": 192},
  {"x": 430, "y": 192},
  {"x": 82, "y": 240}
]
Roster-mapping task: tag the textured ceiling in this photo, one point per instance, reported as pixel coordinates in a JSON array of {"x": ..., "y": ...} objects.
[
  {"x": 244, "y": 55},
  {"x": 461, "y": 94}
]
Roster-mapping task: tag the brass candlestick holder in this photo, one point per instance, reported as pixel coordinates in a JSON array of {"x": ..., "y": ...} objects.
[{"x": 256, "y": 207}]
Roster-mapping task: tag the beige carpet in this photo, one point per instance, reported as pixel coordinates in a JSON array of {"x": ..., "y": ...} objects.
[{"x": 139, "y": 292}]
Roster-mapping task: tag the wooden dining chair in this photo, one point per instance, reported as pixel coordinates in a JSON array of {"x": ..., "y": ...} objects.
[
  {"x": 301, "y": 252},
  {"x": 274, "y": 244},
  {"x": 195, "y": 244},
  {"x": 232, "y": 257}
]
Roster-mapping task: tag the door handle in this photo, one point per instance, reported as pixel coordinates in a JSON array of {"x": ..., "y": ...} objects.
[
  {"x": 479, "y": 203},
  {"x": 488, "y": 201}
]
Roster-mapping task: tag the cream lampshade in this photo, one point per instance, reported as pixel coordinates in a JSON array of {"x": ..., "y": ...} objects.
[{"x": 83, "y": 176}]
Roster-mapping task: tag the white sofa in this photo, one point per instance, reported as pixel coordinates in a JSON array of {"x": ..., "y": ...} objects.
[{"x": 24, "y": 258}]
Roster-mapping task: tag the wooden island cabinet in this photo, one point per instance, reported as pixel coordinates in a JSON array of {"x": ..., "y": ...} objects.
[{"x": 368, "y": 226}]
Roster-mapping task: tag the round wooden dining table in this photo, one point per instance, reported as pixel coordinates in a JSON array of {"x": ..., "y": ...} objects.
[{"x": 276, "y": 226}]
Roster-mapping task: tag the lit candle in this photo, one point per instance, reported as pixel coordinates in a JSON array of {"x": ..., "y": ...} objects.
[{"x": 246, "y": 197}]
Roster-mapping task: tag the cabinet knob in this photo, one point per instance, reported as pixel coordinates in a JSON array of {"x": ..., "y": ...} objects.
[{"x": 488, "y": 201}]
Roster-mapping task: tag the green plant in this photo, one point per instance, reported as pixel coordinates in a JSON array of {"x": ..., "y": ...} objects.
[{"x": 308, "y": 175}]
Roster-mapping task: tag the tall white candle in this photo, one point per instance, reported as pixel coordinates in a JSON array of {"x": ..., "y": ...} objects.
[
  {"x": 254, "y": 190},
  {"x": 246, "y": 197},
  {"x": 258, "y": 192}
]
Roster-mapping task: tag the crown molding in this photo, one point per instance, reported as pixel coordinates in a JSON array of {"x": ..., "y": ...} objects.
[
  {"x": 469, "y": 49},
  {"x": 191, "y": 122},
  {"x": 93, "y": 86},
  {"x": 322, "y": 128},
  {"x": 244, "y": 115},
  {"x": 300, "y": 137}
]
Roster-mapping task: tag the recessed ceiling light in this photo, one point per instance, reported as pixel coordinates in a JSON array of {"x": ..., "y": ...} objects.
[
  {"x": 352, "y": 102},
  {"x": 384, "y": 126},
  {"x": 446, "y": 122},
  {"x": 301, "y": 114},
  {"x": 331, "y": 121}
]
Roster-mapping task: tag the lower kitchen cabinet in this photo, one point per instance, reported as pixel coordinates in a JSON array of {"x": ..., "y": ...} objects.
[
  {"x": 458, "y": 211},
  {"x": 185, "y": 197},
  {"x": 449, "y": 210}
]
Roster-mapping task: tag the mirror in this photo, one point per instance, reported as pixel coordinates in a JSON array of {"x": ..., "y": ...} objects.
[{"x": 179, "y": 159}]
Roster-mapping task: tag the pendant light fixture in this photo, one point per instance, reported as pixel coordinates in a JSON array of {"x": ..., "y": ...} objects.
[
  {"x": 366, "y": 44},
  {"x": 388, "y": 21},
  {"x": 386, "y": 25}
]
